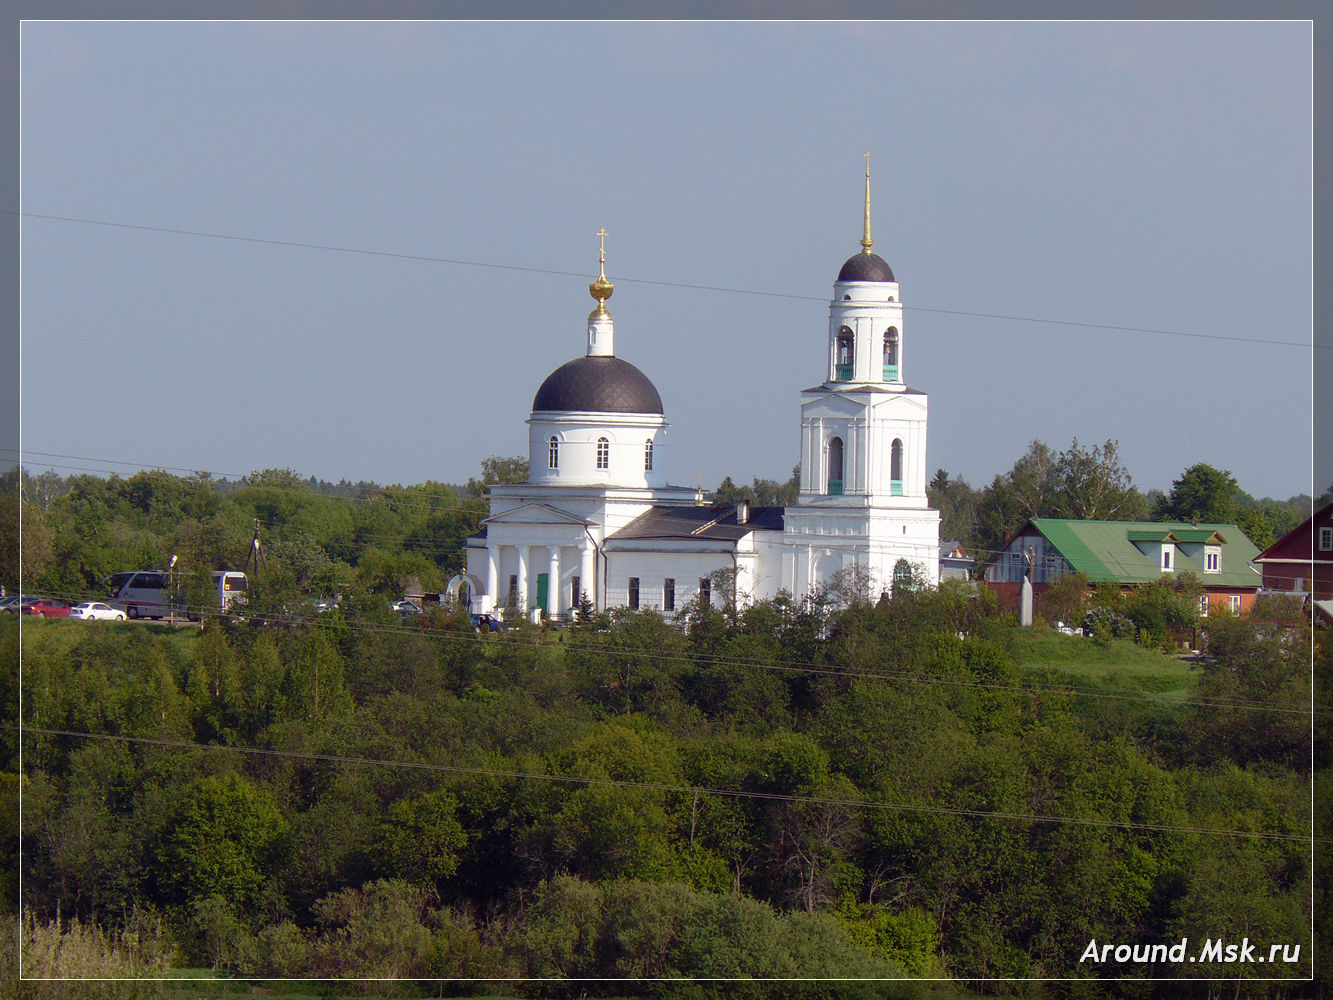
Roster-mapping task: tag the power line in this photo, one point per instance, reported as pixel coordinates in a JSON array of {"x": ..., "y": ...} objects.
[
  {"x": 734, "y": 793},
  {"x": 460, "y": 262}
]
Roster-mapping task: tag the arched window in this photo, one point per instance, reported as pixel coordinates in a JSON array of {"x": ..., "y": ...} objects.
[
  {"x": 846, "y": 355},
  {"x": 896, "y": 468},
  {"x": 603, "y": 453},
  {"x": 648, "y": 455},
  {"x": 891, "y": 354},
  {"x": 553, "y": 454},
  {"x": 835, "y": 466}
]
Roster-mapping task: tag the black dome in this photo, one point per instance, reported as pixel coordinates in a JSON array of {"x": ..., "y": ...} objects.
[
  {"x": 866, "y": 267},
  {"x": 598, "y": 385}
]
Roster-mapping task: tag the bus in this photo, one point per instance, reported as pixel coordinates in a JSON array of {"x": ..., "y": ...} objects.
[
  {"x": 230, "y": 586},
  {"x": 140, "y": 593},
  {"x": 146, "y": 593}
]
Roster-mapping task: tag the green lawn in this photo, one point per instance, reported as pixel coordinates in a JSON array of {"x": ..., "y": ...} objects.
[{"x": 1118, "y": 666}]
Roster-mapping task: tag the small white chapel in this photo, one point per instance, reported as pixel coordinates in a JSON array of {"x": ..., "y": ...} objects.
[{"x": 598, "y": 518}]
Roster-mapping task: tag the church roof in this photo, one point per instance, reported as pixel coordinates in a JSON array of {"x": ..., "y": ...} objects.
[
  {"x": 712, "y": 523},
  {"x": 866, "y": 267},
  {"x": 598, "y": 385}
]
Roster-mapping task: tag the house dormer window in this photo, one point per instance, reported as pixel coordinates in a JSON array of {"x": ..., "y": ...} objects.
[
  {"x": 1212, "y": 559},
  {"x": 846, "y": 355},
  {"x": 553, "y": 454},
  {"x": 603, "y": 453},
  {"x": 1168, "y": 558}
]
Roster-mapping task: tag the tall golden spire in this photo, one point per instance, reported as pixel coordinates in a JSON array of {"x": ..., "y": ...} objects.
[
  {"x": 866, "y": 241},
  {"x": 601, "y": 289}
]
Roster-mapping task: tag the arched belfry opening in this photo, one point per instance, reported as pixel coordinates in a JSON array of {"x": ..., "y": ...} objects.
[
  {"x": 896, "y": 468},
  {"x": 846, "y": 355},
  {"x": 834, "y": 467},
  {"x": 891, "y": 354}
]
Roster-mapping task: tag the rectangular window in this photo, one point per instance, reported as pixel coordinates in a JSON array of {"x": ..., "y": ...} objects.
[
  {"x": 1212, "y": 561},
  {"x": 553, "y": 455},
  {"x": 634, "y": 593},
  {"x": 1235, "y": 604},
  {"x": 669, "y": 594},
  {"x": 603, "y": 453},
  {"x": 1325, "y": 539},
  {"x": 1203, "y": 606},
  {"x": 705, "y": 590},
  {"x": 574, "y": 595},
  {"x": 1167, "y": 552},
  {"x": 513, "y": 589},
  {"x": 648, "y": 456}
]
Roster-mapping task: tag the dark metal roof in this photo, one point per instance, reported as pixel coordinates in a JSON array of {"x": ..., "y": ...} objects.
[
  {"x": 598, "y": 385},
  {"x": 712, "y": 523},
  {"x": 866, "y": 267}
]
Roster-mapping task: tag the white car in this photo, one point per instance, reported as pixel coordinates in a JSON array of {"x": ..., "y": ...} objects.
[{"x": 96, "y": 611}]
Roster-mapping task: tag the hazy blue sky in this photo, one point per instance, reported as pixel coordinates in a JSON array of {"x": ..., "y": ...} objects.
[{"x": 1131, "y": 174}]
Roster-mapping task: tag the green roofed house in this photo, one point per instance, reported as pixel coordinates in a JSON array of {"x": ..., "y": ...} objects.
[{"x": 1129, "y": 553}]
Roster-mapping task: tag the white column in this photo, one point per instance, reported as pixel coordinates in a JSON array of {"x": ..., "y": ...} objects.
[
  {"x": 493, "y": 577},
  {"x": 553, "y": 583},
  {"x": 588, "y": 572},
  {"x": 523, "y": 580}
]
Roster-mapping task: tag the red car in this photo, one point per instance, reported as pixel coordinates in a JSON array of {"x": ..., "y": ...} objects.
[{"x": 48, "y": 608}]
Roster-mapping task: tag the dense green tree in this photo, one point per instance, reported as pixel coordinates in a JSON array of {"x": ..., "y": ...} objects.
[
  {"x": 226, "y": 838},
  {"x": 314, "y": 689},
  {"x": 957, "y": 503},
  {"x": 214, "y": 685},
  {"x": 1080, "y": 483},
  {"x": 762, "y": 493},
  {"x": 1203, "y": 495},
  {"x": 10, "y": 499},
  {"x": 374, "y": 931},
  {"x": 496, "y": 470},
  {"x": 420, "y": 838}
]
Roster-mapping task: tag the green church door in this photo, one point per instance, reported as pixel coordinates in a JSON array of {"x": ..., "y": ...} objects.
[{"x": 542, "y": 579}]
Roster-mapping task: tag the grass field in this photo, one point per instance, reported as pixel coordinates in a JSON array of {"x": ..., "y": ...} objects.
[{"x": 1118, "y": 666}]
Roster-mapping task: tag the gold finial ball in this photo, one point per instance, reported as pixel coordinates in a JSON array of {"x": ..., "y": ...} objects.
[{"x": 601, "y": 289}]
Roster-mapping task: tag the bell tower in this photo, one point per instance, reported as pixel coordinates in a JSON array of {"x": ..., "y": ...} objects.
[
  {"x": 863, "y": 437},
  {"x": 865, "y": 317}
]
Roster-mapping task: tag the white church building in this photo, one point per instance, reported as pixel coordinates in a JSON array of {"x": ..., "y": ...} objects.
[{"x": 597, "y": 516}]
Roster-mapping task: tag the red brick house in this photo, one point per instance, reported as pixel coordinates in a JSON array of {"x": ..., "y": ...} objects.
[{"x": 1301, "y": 561}]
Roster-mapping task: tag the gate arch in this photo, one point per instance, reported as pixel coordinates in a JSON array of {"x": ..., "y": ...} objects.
[{"x": 463, "y": 589}]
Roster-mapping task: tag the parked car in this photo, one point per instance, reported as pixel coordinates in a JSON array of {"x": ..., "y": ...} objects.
[
  {"x": 488, "y": 623},
  {"x": 18, "y": 604},
  {"x": 7, "y": 602},
  {"x": 96, "y": 611},
  {"x": 405, "y": 608},
  {"x": 47, "y": 607}
]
